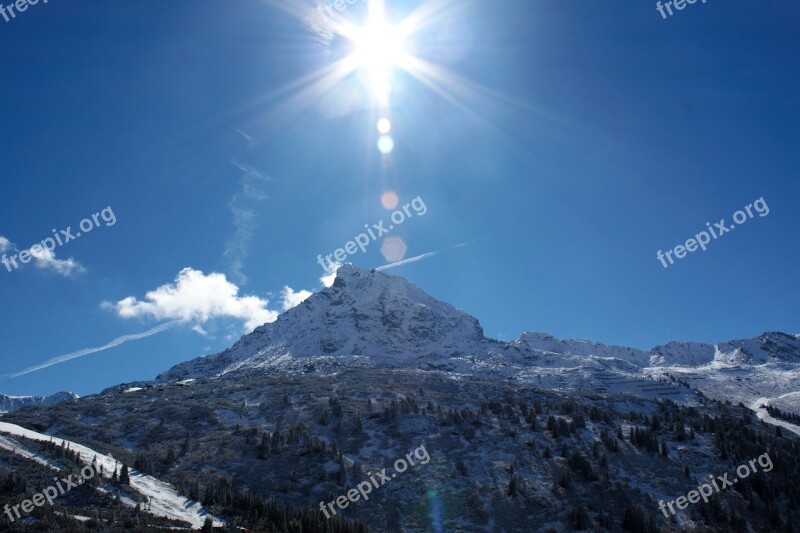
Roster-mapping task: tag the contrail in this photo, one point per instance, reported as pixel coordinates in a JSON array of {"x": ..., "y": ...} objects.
[
  {"x": 409, "y": 260},
  {"x": 431, "y": 254},
  {"x": 87, "y": 351}
]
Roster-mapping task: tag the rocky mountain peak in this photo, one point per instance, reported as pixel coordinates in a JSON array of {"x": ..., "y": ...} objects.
[{"x": 365, "y": 313}]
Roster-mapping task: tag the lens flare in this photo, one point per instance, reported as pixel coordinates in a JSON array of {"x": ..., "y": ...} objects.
[
  {"x": 394, "y": 249},
  {"x": 389, "y": 200},
  {"x": 384, "y": 126},
  {"x": 386, "y": 144}
]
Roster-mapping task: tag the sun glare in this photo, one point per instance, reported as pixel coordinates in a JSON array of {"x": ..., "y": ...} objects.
[
  {"x": 378, "y": 45},
  {"x": 378, "y": 48},
  {"x": 383, "y": 52}
]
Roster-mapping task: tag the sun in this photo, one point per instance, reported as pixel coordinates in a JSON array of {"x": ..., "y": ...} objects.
[
  {"x": 378, "y": 49},
  {"x": 384, "y": 54},
  {"x": 378, "y": 46}
]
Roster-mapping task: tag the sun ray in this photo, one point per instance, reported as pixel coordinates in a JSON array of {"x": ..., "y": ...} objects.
[{"x": 378, "y": 51}]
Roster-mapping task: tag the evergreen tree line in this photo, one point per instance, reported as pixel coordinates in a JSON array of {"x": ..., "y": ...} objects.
[
  {"x": 269, "y": 515},
  {"x": 777, "y": 413}
]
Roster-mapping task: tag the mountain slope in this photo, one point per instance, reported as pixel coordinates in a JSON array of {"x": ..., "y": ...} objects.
[
  {"x": 162, "y": 498},
  {"x": 504, "y": 455}
]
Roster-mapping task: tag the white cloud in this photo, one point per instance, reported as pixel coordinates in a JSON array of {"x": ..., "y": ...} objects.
[
  {"x": 251, "y": 141},
  {"x": 292, "y": 298},
  {"x": 197, "y": 328},
  {"x": 329, "y": 277},
  {"x": 197, "y": 297},
  {"x": 43, "y": 259}
]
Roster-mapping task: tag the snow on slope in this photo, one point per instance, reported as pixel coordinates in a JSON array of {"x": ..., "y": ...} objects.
[
  {"x": 762, "y": 414},
  {"x": 544, "y": 343},
  {"x": 683, "y": 354},
  {"x": 15, "y": 447},
  {"x": 164, "y": 500},
  {"x": 741, "y": 383}
]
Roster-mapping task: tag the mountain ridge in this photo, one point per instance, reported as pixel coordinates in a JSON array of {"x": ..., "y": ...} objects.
[
  {"x": 380, "y": 319},
  {"x": 12, "y": 403}
]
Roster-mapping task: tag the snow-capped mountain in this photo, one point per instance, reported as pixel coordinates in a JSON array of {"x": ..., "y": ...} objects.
[
  {"x": 772, "y": 347},
  {"x": 12, "y": 403},
  {"x": 373, "y": 319},
  {"x": 364, "y": 314}
]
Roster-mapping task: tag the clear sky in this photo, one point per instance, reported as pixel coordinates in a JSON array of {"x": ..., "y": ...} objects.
[{"x": 565, "y": 142}]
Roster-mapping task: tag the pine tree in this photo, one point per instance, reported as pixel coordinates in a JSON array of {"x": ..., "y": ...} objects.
[
  {"x": 194, "y": 491},
  {"x": 263, "y": 448},
  {"x": 124, "y": 477},
  {"x": 341, "y": 477},
  {"x": 170, "y": 458},
  {"x": 580, "y": 517}
]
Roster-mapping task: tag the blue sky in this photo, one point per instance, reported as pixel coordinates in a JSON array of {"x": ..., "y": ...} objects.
[{"x": 565, "y": 142}]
